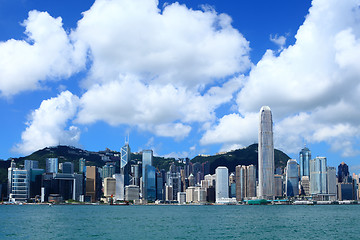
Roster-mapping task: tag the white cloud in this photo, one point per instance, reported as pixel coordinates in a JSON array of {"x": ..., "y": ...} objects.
[
  {"x": 312, "y": 86},
  {"x": 233, "y": 129},
  {"x": 177, "y": 130},
  {"x": 161, "y": 109},
  {"x": 47, "y": 124},
  {"x": 46, "y": 54},
  {"x": 307, "y": 74},
  {"x": 230, "y": 147},
  {"x": 278, "y": 40},
  {"x": 174, "y": 45}
]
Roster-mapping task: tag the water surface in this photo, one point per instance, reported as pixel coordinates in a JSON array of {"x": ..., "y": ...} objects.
[{"x": 179, "y": 222}]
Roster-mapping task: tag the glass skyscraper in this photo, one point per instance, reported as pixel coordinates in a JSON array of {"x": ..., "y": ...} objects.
[
  {"x": 292, "y": 178},
  {"x": 266, "y": 155},
  {"x": 52, "y": 165},
  {"x": 147, "y": 158},
  {"x": 222, "y": 183},
  {"x": 31, "y": 164},
  {"x": 304, "y": 159},
  {"x": 125, "y": 167},
  {"x": 150, "y": 183},
  {"x": 318, "y": 176}
]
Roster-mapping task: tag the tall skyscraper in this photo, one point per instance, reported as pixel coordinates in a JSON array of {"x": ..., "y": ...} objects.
[
  {"x": 119, "y": 192},
  {"x": 91, "y": 182},
  {"x": 292, "y": 178},
  {"x": 331, "y": 181},
  {"x": 343, "y": 172},
  {"x": 304, "y": 159},
  {"x": 240, "y": 176},
  {"x": 245, "y": 182},
  {"x": 222, "y": 183},
  {"x": 266, "y": 155},
  {"x": 251, "y": 181},
  {"x": 52, "y": 165},
  {"x": 318, "y": 176},
  {"x": 147, "y": 159},
  {"x": 125, "y": 167},
  {"x": 150, "y": 183}
]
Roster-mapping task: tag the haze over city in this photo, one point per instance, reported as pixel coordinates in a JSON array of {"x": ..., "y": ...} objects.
[{"x": 182, "y": 78}]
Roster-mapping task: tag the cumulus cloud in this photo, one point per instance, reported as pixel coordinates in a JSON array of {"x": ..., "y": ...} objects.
[
  {"x": 232, "y": 130},
  {"x": 47, "y": 124},
  {"x": 162, "y": 109},
  {"x": 157, "y": 69},
  {"x": 312, "y": 86},
  {"x": 174, "y": 45},
  {"x": 278, "y": 40},
  {"x": 46, "y": 54}
]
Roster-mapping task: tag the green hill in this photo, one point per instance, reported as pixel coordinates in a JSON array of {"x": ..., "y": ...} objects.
[{"x": 244, "y": 156}]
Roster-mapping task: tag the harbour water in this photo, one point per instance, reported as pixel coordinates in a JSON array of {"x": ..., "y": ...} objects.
[{"x": 179, "y": 222}]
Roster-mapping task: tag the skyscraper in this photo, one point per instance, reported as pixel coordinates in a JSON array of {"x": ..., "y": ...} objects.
[
  {"x": 240, "y": 175},
  {"x": 292, "y": 178},
  {"x": 245, "y": 182},
  {"x": 109, "y": 187},
  {"x": 91, "y": 183},
  {"x": 125, "y": 167},
  {"x": 251, "y": 181},
  {"x": 52, "y": 165},
  {"x": 150, "y": 183},
  {"x": 304, "y": 158},
  {"x": 82, "y": 165},
  {"x": 266, "y": 155},
  {"x": 331, "y": 182},
  {"x": 31, "y": 164},
  {"x": 222, "y": 183},
  {"x": 318, "y": 176},
  {"x": 147, "y": 158},
  {"x": 343, "y": 172}
]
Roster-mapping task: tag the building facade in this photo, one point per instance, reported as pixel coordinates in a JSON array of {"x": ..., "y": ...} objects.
[
  {"x": 222, "y": 183},
  {"x": 304, "y": 160},
  {"x": 292, "y": 178},
  {"x": 147, "y": 159},
  {"x": 52, "y": 165},
  {"x": 318, "y": 176},
  {"x": 266, "y": 155}
]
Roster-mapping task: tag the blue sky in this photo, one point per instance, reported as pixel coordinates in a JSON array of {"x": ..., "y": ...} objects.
[{"x": 182, "y": 78}]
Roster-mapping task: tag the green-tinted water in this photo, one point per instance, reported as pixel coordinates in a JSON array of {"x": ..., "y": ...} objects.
[{"x": 179, "y": 222}]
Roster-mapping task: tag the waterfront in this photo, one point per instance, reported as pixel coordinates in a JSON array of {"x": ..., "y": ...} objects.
[{"x": 178, "y": 222}]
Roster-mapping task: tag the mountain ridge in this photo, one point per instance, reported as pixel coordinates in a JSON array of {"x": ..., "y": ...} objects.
[{"x": 244, "y": 156}]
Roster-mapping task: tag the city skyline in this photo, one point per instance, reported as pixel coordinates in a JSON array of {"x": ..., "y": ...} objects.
[{"x": 175, "y": 89}]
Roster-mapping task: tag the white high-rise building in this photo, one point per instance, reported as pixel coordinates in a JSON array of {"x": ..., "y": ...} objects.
[
  {"x": 222, "y": 183},
  {"x": 266, "y": 155}
]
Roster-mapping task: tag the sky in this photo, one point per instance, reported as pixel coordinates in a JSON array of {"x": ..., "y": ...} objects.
[{"x": 182, "y": 78}]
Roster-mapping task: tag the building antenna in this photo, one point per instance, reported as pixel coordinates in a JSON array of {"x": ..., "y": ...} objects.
[{"x": 127, "y": 139}]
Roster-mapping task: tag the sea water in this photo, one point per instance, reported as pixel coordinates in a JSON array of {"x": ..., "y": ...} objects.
[{"x": 179, "y": 222}]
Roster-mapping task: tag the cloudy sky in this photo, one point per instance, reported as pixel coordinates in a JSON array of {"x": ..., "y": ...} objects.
[{"x": 181, "y": 78}]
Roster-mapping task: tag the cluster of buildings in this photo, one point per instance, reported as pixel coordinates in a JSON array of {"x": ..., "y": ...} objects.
[{"x": 185, "y": 182}]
